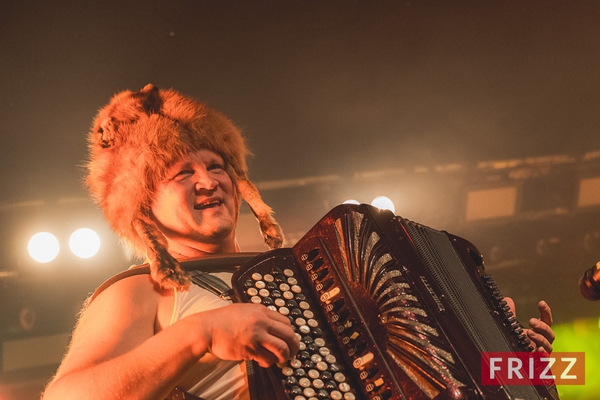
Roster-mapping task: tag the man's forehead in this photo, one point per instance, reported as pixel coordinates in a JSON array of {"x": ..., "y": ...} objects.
[{"x": 202, "y": 155}]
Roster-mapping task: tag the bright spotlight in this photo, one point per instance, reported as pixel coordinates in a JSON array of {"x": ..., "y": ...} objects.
[
  {"x": 43, "y": 247},
  {"x": 351, "y": 201},
  {"x": 84, "y": 243},
  {"x": 383, "y": 203}
]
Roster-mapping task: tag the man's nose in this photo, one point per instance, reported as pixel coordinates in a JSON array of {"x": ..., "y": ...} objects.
[{"x": 204, "y": 180}]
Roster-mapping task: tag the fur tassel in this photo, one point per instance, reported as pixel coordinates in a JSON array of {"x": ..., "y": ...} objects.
[
  {"x": 270, "y": 229},
  {"x": 164, "y": 268}
]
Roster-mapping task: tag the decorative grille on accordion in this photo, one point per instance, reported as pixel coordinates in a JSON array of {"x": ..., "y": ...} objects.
[{"x": 385, "y": 308}]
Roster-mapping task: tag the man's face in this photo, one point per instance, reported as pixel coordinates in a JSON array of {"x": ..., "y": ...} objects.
[{"x": 196, "y": 204}]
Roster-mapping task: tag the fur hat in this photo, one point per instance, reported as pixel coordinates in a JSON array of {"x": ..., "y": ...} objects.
[{"x": 134, "y": 140}]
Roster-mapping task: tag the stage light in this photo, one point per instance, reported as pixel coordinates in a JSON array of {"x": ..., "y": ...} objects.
[
  {"x": 43, "y": 247},
  {"x": 84, "y": 243},
  {"x": 384, "y": 203}
]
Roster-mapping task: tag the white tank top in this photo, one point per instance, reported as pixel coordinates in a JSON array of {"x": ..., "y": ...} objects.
[{"x": 227, "y": 380}]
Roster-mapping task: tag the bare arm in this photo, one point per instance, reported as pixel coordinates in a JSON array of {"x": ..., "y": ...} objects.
[{"x": 116, "y": 354}]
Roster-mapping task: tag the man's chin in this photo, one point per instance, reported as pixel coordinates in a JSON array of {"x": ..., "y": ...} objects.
[{"x": 219, "y": 236}]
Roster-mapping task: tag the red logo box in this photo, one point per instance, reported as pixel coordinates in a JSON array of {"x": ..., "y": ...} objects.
[{"x": 513, "y": 369}]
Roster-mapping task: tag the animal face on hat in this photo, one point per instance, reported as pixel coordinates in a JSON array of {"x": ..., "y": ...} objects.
[{"x": 133, "y": 142}]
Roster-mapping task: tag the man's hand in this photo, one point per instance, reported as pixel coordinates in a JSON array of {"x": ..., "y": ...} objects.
[
  {"x": 540, "y": 333},
  {"x": 251, "y": 332}
]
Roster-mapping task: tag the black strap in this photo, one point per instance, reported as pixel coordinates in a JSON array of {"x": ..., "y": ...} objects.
[
  {"x": 210, "y": 263},
  {"x": 212, "y": 283}
]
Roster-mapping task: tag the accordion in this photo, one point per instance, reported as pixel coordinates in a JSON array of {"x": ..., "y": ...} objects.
[{"x": 385, "y": 308}]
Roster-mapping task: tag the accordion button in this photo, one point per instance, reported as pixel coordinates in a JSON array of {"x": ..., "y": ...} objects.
[
  {"x": 316, "y": 358},
  {"x": 339, "y": 377},
  {"x": 264, "y": 292},
  {"x": 304, "y": 305},
  {"x": 318, "y": 263},
  {"x": 330, "y": 358},
  {"x": 279, "y": 302},
  {"x": 336, "y": 395},
  {"x": 320, "y": 342},
  {"x": 252, "y": 291},
  {"x": 330, "y": 385},
  {"x": 300, "y": 373},
  {"x": 309, "y": 392},
  {"x": 284, "y": 310},
  {"x": 290, "y": 380},
  {"x": 313, "y": 373},
  {"x": 256, "y": 276},
  {"x": 300, "y": 321},
  {"x": 296, "y": 289},
  {"x": 364, "y": 360},
  {"x": 304, "y": 382},
  {"x": 306, "y": 330},
  {"x": 318, "y": 384},
  {"x": 287, "y": 371},
  {"x": 256, "y": 300},
  {"x": 324, "y": 351},
  {"x": 312, "y": 254},
  {"x": 327, "y": 284},
  {"x": 267, "y": 301},
  {"x": 298, "y": 391},
  {"x": 349, "y": 396},
  {"x": 335, "y": 367},
  {"x": 288, "y": 272},
  {"x": 327, "y": 376},
  {"x": 260, "y": 284},
  {"x": 296, "y": 312},
  {"x": 288, "y": 295},
  {"x": 284, "y": 287},
  {"x": 269, "y": 278},
  {"x": 322, "y": 366},
  {"x": 313, "y": 348},
  {"x": 292, "y": 281},
  {"x": 300, "y": 297},
  {"x": 292, "y": 303},
  {"x": 322, "y": 274},
  {"x": 344, "y": 387},
  {"x": 308, "y": 314}
]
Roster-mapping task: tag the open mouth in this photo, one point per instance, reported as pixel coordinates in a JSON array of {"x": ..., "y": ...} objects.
[{"x": 208, "y": 204}]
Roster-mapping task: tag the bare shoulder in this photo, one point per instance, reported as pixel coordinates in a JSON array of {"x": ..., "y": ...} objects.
[{"x": 119, "y": 319}]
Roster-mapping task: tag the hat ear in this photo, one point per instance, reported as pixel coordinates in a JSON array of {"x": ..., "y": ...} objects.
[
  {"x": 270, "y": 229},
  {"x": 164, "y": 268}
]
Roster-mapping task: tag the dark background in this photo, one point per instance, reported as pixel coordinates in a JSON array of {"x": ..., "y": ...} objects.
[{"x": 337, "y": 99}]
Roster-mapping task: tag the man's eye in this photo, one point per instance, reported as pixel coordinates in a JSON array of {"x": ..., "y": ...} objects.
[
  {"x": 183, "y": 174},
  {"x": 215, "y": 166}
]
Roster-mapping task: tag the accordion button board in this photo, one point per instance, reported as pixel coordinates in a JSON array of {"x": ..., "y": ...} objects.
[{"x": 385, "y": 308}]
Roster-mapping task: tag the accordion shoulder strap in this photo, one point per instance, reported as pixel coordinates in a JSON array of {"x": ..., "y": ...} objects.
[{"x": 211, "y": 263}]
